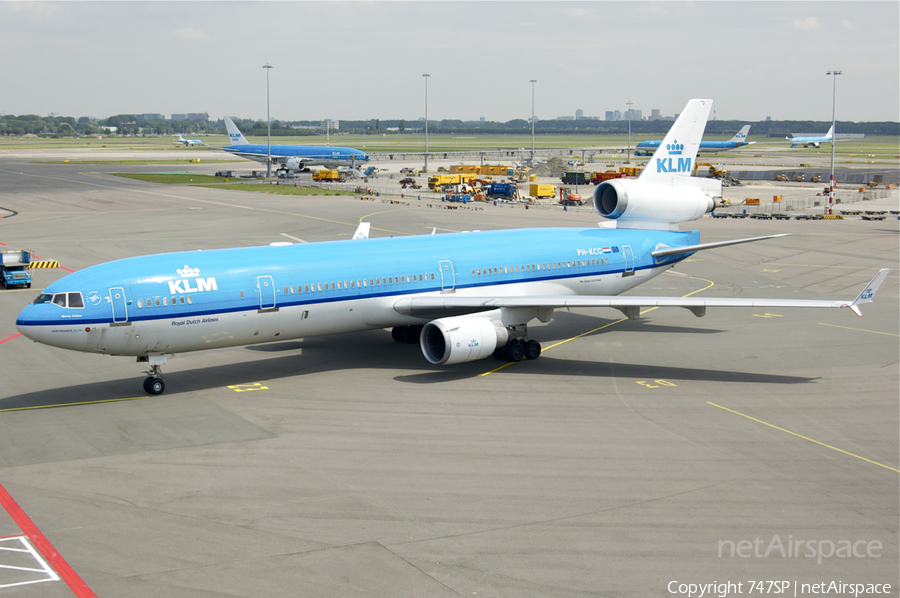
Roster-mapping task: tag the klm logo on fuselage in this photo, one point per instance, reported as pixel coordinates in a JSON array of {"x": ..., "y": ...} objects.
[
  {"x": 673, "y": 162},
  {"x": 184, "y": 285}
]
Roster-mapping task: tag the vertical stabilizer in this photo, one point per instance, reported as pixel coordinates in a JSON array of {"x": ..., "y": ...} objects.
[
  {"x": 676, "y": 154},
  {"x": 741, "y": 137},
  {"x": 234, "y": 134},
  {"x": 830, "y": 133}
]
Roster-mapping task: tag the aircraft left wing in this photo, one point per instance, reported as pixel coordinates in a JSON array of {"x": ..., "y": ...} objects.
[{"x": 444, "y": 305}]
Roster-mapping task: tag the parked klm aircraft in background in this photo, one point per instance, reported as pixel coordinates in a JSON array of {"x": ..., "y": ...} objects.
[
  {"x": 814, "y": 141},
  {"x": 189, "y": 142},
  {"x": 461, "y": 296},
  {"x": 293, "y": 157},
  {"x": 739, "y": 140}
]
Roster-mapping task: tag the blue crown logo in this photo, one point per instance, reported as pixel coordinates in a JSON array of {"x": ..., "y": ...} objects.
[{"x": 675, "y": 148}]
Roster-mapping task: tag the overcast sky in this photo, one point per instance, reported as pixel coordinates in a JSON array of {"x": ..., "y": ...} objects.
[{"x": 362, "y": 60}]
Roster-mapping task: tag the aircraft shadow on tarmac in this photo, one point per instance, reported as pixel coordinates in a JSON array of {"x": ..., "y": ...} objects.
[{"x": 375, "y": 350}]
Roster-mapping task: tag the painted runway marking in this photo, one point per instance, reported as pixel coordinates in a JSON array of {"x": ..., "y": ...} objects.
[
  {"x": 804, "y": 437},
  {"x": 9, "y": 338},
  {"x": 28, "y": 575},
  {"x": 73, "y": 404},
  {"x": 291, "y": 238},
  {"x": 859, "y": 329},
  {"x": 248, "y": 387},
  {"x": 43, "y": 545}
]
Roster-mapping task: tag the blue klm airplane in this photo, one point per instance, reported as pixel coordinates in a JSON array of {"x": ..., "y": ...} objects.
[
  {"x": 189, "y": 142},
  {"x": 739, "y": 140},
  {"x": 292, "y": 157},
  {"x": 461, "y": 296},
  {"x": 814, "y": 141}
]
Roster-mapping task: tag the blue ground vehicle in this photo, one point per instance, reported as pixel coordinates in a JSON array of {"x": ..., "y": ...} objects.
[{"x": 14, "y": 268}]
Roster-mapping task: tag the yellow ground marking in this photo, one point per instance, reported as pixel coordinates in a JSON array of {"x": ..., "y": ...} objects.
[
  {"x": 859, "y": 329},
  {"x": 72, "y": 404},
  {"x": 804, "y": 437},
  {"x": 248, "y": 387},
  {"x": 589, "y": 332},
  {"x": 767, "y": 315}
]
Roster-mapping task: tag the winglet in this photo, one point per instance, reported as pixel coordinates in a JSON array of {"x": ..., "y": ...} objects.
[
  {"x": 362, "y": 231},
  {"x": 869, "y": 292}
]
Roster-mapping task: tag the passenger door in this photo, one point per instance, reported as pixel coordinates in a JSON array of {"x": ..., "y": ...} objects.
[
  {"x": 266, "y": 287},
  {"x": 448, "y": 278}
]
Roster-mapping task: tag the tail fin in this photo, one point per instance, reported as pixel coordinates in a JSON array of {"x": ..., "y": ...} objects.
[
  {"x": 830, "y": 133},
  {"x": 741, "y": 136},
  {"x": 234, "y": 134},
  {"x": 676, "y": 154}
]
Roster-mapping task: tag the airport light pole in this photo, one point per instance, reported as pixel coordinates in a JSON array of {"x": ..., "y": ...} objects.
[
  {"x": 267, "y": 66},
  {"x": 426, "y": 75},
  {"x": 533, "y": 81},
  {"x": 628, "y": 161},
  {"x": 834, "y": 75}
]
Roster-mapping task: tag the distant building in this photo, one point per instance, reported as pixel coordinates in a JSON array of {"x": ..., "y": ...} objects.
[
  {"x": 150, "y": 116},
  {"x": 565, "y": 118},
  {"x": 192, "y": 116},
  {"x": 655, "y": 114},
  {"x": 613, "y": 115},
  {"x": 579, "y": 114}
]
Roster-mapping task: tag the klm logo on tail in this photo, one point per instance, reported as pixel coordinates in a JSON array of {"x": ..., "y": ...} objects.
[{"x": 676, "y": 164}]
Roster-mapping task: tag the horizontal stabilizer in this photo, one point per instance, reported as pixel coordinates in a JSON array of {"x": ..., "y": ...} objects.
[{"x": 692, "y": 248}]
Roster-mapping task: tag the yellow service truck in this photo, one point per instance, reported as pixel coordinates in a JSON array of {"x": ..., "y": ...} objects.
[
  {"x": 327, "y": 176},
  {"x": 541, "y": 191}
]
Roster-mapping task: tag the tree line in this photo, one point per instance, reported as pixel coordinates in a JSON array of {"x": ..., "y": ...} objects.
[{"x": 126, "y": 124}]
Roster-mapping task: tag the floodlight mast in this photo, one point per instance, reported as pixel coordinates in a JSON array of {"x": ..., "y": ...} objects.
[
  {"x": 268, "y": 127},
  {"x": 834, "y": 74},
  {"x": 426, "y": 75}
]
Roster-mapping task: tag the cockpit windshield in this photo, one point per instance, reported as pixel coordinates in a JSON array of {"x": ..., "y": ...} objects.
[{"x": 66, "y": 300}]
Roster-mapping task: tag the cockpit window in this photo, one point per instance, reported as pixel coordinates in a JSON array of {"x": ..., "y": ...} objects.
[
  {"x": 66, "y": 300},
  {"x": 75, "y": 300}
]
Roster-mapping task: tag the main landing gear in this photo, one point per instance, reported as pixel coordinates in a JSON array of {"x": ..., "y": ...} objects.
[
  {"x": 406, "y": 334},
  {"x": 153, "y": 384},
  {"x": 518, "y": 349}
]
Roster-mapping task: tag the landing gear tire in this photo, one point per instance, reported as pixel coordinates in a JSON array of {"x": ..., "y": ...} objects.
[
  {"x": 500, "y": 353},
  {"x": 154, "y": 386},
  {"x": 411, "y": 334},
  {"x": 532, "y": 350},
  {"x": 515, "y": 351}
]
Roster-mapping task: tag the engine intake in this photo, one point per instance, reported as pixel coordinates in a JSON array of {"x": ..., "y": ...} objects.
[{"x": 461, "y": 339}]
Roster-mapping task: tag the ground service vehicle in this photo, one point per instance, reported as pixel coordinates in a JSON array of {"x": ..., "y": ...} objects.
[
  {"x": 501, "y": 190},
  {"x": 14, "y": 268},
  {"x": 576, "y": 178},
  {"x": 540, "y": 191}
]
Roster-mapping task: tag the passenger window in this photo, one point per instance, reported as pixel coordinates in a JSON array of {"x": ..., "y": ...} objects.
[
  {"x": 181, "y": 300},
  {"x": 156, "y": 301},
  {"x": 190, "y": 299},
  {"x": 140, "y": 303},
  {"x": 59, "y": 299},
  {"x": 332, "y": 286},
  {"x": 338, "y": 284},
  {"x": 166, "y": 301},
  {"x": 383, "y": 280},
  {"x": 285, "y": 290},
  {"x": 306, "y": 288}
]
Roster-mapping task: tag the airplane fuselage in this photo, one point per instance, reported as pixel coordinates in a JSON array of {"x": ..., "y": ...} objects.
[
  {"x": 189, "y": 301},
  {"x": 307, "y": 155}
]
